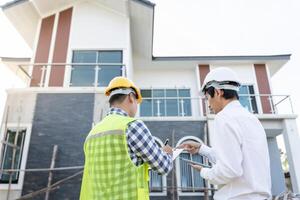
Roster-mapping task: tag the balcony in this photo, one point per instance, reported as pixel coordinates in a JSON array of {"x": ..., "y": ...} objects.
[{"x": 183, "y": 106}]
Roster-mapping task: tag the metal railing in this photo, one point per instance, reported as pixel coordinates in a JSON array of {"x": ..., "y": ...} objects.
[
  {"x": 198, "y": 107},
  {"x": 170, "y": 107},
  {"x": 45, "y": 68},
  {"x": 185, "y": 106},
  {"x": 264, "y": 104}
]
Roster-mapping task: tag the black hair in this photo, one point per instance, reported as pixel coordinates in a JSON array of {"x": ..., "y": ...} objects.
[
  {"x": 228, "y": 94},
  {"x": 117, "y": 98}
]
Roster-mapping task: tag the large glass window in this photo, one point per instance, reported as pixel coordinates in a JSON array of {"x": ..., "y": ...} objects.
[
  {"x": 7, "y": 154},
  {"x": 166, "y": 102},
  {"x": 83, "y": 75},
  {"x": 190, "y": 179},
  {"x": 247, "y": 98},
  {"x": 95, "y": 75},
  {"x": 108, "y": 72}
]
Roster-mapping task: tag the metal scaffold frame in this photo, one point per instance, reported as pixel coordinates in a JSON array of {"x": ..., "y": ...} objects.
[{"x": 50, "y": 187}]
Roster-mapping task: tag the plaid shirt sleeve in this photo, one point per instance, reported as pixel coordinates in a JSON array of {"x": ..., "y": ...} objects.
[{"x": 141, "y": 142}]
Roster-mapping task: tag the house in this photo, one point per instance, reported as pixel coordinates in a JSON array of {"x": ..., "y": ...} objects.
[{"x": 79, "y": 46}]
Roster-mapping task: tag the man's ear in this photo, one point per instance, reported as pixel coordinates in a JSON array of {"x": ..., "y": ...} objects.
[
  {"x": 219, "y": 92},
  {"x": 131, "y": 98}
]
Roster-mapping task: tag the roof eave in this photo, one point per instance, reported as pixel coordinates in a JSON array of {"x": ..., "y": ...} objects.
[
  {"x": 12, "y": 3},
  {"x": 15, "y": 59},
  {"x": 145, "y": 2},
  {"x": 16, "y": 2},
  {"x": 223, "y": 58}
]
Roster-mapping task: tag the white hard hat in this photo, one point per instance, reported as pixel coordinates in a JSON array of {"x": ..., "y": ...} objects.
[{"x": 221, "y": 78}]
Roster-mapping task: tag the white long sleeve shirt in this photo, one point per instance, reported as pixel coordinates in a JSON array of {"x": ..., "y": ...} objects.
[{"x": 240, "y": 153}]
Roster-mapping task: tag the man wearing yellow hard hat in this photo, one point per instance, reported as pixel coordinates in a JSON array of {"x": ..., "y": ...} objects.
[{"x": 120, "y": 149}]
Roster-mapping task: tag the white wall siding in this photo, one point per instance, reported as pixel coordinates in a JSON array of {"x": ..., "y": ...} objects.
[
  {"x": 166, "y": 79},
  {"x": 170, "y": 79},
  {"x": 95, "y": 27},
  {"x": 244, "y": 71}
]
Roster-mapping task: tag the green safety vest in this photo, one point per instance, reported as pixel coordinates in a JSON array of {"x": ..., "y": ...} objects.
[{"x": 109, "y": 173}]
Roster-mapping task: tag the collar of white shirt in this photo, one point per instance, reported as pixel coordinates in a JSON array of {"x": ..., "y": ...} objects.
[{"x": 232, "y": 104}]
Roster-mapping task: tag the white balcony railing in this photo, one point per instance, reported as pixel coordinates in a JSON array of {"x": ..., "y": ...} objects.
[
  {"x": 198, "y": 107},
  {"x": 264, "y": 104},
  {"x": 169, "y": 107},
  {"x": 40, "y": 77}
]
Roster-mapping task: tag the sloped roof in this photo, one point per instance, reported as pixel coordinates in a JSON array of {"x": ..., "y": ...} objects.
[
  {"x": 145, "y": 2},
  {"x": 12, "y": 3},
  {"x": 16, "y": 2}
]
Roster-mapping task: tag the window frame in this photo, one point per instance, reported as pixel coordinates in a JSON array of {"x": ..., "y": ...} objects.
[
  {"x": 178, "y": 174},
  {"x": 96, "y": 68},
  {"x": 28, "y": 127},
  {"x": 254, "y": 96},
  {"x": 22, "y": 133}
]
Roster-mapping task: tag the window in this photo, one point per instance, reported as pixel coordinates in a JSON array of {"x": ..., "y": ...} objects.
[
  {"x": 95, "y": 75},
  {"x": 165, "y": 102},
  {"x": 7, "y": 154},
  {"x": 247, "y": 98},
  {"x": 157, "y": 181},
  {"x": 189, "y": 181}
]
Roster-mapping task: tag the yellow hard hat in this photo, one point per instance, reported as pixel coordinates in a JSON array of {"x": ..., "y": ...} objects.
[{"x": 122, "y": 82}]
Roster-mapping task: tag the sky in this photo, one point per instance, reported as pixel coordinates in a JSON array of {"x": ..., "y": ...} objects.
[
  {"x": 233, "y": 27},
  {"x": 214, "y": 27}
]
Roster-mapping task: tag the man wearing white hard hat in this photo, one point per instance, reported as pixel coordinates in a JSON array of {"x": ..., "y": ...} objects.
[{"x": 240, "y": 158}]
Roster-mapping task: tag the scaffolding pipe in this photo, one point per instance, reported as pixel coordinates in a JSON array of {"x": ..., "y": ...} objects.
[
  {"x": 54, "y": 153},
  {"x": 13, "y": 156}
]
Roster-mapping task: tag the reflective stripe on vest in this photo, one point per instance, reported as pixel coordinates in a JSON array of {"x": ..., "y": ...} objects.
[{"x": 109, "y": 173}]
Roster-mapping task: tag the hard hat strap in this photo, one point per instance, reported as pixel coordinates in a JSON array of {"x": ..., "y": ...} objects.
[
  {"x": 224, "y": 86},
  {"x": 122, "y": 91}
]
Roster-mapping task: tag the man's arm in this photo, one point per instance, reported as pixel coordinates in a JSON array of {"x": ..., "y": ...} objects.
[
  {"x": 196, "y": 147},
  {"x": 141, "y": 142},
  {"x": 228, "y": 150},
  {"x": 208, "y": 152}
]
